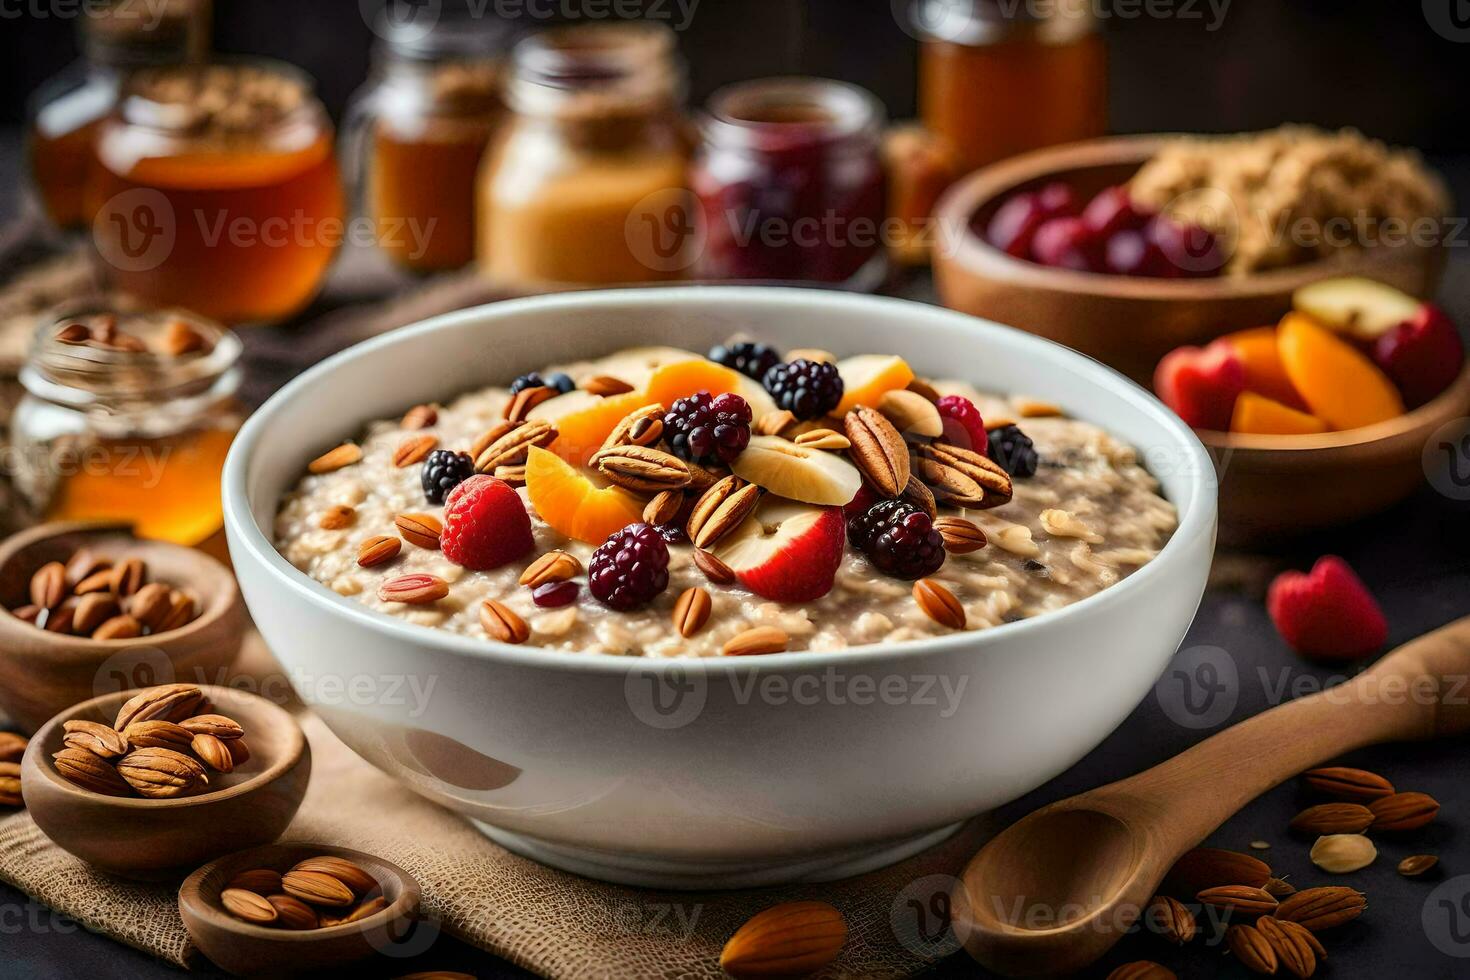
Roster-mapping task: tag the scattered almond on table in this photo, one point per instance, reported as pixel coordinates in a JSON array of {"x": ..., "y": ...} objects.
[
  {"x": 793, "y": 939},
  {"x": 317, "y": 893},
  {"x": 105, "y": 598}
]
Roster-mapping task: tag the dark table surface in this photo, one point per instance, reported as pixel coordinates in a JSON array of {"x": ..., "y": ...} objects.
[{"x": 1414, "y": 558}]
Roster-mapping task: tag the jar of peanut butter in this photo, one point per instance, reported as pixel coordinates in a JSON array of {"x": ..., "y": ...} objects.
[{"x": 596, "y": 133}]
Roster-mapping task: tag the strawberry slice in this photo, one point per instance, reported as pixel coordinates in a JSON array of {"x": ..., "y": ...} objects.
[{"x": 1327, "y": 614}]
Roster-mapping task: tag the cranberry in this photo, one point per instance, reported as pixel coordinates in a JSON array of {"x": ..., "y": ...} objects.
[
  {"x": 1014, "y": 223},
  {"x": 1113, "y": 211},
  {"x": 1130, "y": 253},
  {"x": 1064, "y": 243},
  {"x": 1191, "y": 251},
  {"x": 554, "y": 594},
  {"x": 1057, "y": 200}
]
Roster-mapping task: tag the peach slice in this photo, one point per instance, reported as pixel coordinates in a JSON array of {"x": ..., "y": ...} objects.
[
  {"x": 582, "y": 431},
  {"x": 565, "y": 498},
  {"x": 1265, "y": 416},
  {"x": 1264, "y": 372},
  {"x": 867, "y": 377},
  {"x": 674, "y": 381},
  {"x": 1340, "y": 385}
]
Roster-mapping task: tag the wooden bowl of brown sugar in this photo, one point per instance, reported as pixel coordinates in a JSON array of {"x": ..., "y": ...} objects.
[{"x": 132, "y": 613}]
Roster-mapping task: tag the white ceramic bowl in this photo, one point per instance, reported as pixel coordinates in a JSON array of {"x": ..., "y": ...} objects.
[{"x": 714, "y": 773}]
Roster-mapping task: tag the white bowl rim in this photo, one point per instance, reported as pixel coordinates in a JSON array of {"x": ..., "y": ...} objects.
[{"x": 1199, "y": 519}]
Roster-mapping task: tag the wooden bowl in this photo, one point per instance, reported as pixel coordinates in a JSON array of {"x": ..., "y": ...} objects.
[
  {"x": 1272, "y": 486},
  {"x": 1128, "y": 323},
  {"x": 159, "y": 839},
  {"x": 251, "y": 950},
  {"x": 43, "y": 673}
]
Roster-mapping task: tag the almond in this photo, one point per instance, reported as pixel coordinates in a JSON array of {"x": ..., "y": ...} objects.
[
  {"x": 262, "y": 881},
  {"x": 757, "y": 640},
  {"x": 511, "y": 448},
  {"x": 1333, "y": 818},
  {"x": 641, "y": 427},
  {"x": 367, "y": 907},
  {"x": 1322, "y": 908},
  {"x": 1244, "y": 899},
  {"x": 122, "y": 627},
  {"x": 419, "y": 417},
  {"x": 248, "y": 906},
  {"x": 217, "y": 725},
  {"x": 1348, "y": 784},
  {"x": 940, "y": 604},
  {"x": 1280, "y": 888},
  {"x": 1416, "y": 865},
  {"x": 90, "y": 771},
  {"x": 60, "y": 619},
  {"x": 713, "y": 568},
  {"x": 702, "y": 478},
  {"x": 85, "y": 563},
  {"x": 1208, "y": 867},
  {"x": 317, "y": 888},
  {"x": 348, "y": 872},
  {"x": 1403, "y": 811},
  {"x": 335, "y": 459},
  {"x": 1252, "y": 949},
  {"x": 420, "y": 529},
  {"x": 774, "y": 423},
  {"x": 642, "y": 468},
  {"x": 919, "y": 494},
  {"x": 664, "y": 507},
  {"x": 378, "y": 549},
  {"x": 721, "y": 509},
  {"x": 239, "y": 751},
  {"x": 691, "y": 611},
  {"x": 1142, "y": 970},
  {"x": 213, "y": 753},
  {"x": 1034, "y": 408},
  {"x": 101, "y": 740},
  {"x": 920, "y": 386},
  {"x": 606, "y": 386},
  {"x": 878, "y": 450},
  {"x": 490, "y": 435},
  {"x": 514, "y": 475},
  {"x": 180, "y": 338},
  {"x": 503, "y": 623},
  {"x": 10, "y": 790},
  {"x": 161, "y": 773},
  {"x": 942, "y": 461},
  {"x": 100, "y": 581},
  {"x": 518, "y": 409},
  {"x": 48, "y": 585},
  {"x": 961, "y": 537},
  {"x": 181, "y": 612},
  {"x": 417, "y": 589},
  {"x": 791, "y": 939},
  {"x": 151, "y": 604},
  {"x": 824, "y": 439},
  {"x": 413, "y": 450},
  {"x": 129, "y": 576},
  {"x": 158, "y": 734},
  {"x": 554, "y": 566},
  {"x": 1294, "y": 946},
  {"x": 12, "y": 746},
  {"x": 1343, "y": 853},
  {"x": 29, "y": 613},
  {"x": 293, "y": 913},
  {"x": 166, "y": 703},
  {"x": 911, "y": 413},
  {"x": 1171, "y": 919},
  {"x": 92, "y": 610}
]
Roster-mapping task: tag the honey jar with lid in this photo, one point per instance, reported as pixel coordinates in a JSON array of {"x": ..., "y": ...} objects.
[
  {"x": 127, "y": 414},
  {"x": 596, "y": 132}
]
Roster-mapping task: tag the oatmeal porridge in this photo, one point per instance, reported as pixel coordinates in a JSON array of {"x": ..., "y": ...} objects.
[{"x": 834, "y": 504}]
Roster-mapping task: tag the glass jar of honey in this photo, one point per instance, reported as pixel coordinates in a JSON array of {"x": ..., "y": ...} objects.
[
  {"x": 596, "y": 133},
  {"x": 415, "y": 135},
  {"x": 64, "y": 113},
  {"x": 789, "y": 180},
  {"x": 216, "y": 189},
  {"x": 998, "y": 79},
  {"x": 127, "y": 415}
]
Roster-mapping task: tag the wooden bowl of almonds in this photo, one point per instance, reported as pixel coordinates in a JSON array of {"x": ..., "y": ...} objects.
[
  {"x": 296, "y": 908},
  {"x": 87, "y": 608},
  {"x": 150, "y": 784}
]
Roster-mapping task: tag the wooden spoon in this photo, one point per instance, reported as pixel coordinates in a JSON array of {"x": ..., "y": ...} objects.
[{"x": 1055, "y": 891}]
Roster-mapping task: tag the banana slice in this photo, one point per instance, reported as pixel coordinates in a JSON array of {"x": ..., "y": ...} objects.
[{"x": 811, "y": 476}]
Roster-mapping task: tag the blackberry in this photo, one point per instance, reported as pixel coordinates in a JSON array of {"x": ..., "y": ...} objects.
[
  {"x": 1010, "y": 447},
  {"x": 706, "y": 429},
  {"x": 806, "y": 389},
  {"x": 445, "y": 469},
  {"x": 561, "y": 382},
  {"x": 630, "y": 568},
  {"x": 751, "y": 360},
  {"x": 899, "y": 539}
]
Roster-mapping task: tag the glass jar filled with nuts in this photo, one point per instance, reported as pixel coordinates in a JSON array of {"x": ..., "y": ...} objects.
[{"x": 127, "y": 415}]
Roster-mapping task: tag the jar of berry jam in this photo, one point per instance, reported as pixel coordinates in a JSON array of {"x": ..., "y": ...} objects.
[
  {"x": 416, "y": 132},
  {"x": 789, "y": 179}
]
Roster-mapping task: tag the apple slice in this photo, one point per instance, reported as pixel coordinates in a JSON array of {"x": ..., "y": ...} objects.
[
  {"x": 1361, "y": 308},
  {"x": 1423, "y": 355},
  {"x": 811, "y": 476},
  {"x": 785, "y": 551}
]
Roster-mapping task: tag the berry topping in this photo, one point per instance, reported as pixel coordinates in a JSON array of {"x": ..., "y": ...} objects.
[
  {"x": 1201, "y": 384},
  {"x": 445, "y": 469},
  {"x": 898, "y": 538},
  {"x": 630, "y": 569},
  {"x": 485, "y": 524},
  {"x": 551, "y": 595},
  {"x": 751, "y": 360},
  {"x": 806, "y": 389},
  {"x": 705, "y": 428},
  {"x": 963, "y": 425},
  {"x": 1011, "y": 448},
  {"x": 561, "y": 382},
  {"x": 1327, "y": 614}
]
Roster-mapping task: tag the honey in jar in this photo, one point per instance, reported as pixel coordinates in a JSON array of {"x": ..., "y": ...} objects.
[
  {"x": 596, "y": 134},
  {"x": 127, "y": 416},
  {"x": 217, "y": 190}
]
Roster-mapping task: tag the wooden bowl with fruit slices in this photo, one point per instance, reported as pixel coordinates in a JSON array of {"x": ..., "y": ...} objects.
[{"x": 1126, "y": 322}]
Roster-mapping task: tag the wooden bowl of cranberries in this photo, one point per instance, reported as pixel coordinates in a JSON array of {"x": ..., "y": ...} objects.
[{"x": 1052, "y": 243}]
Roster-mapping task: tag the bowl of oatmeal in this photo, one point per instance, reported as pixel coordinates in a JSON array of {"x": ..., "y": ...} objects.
[{"x": 719, "y": 586}]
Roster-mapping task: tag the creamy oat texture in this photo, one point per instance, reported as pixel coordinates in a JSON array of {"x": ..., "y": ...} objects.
[{"x": 1089, "y": 517}]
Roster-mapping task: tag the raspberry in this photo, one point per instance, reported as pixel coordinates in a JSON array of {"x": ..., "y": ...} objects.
[
  {"x": 898, "y": 538},
  {"x": 751, "y": 360},
  {"x": 630, "y": 568},
  {"x": 561, "y": 382},
  {"x": 706, "y": 429},
  {"x": 963, "y": 425},
  {"x": 806, "y": 389},
  {"x": 485, "y": 524},
  {"x": 1015, "y": 453},
  {"x": 1327, "y": 614},
  {"x": 445, "y": 469}
]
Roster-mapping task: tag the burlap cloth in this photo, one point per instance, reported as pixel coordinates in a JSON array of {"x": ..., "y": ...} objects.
[{"x": 548, "y": 921}]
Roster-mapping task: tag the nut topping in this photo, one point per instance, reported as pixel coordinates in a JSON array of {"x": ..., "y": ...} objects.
[
  {"x": 420, "y": 417},
  {"x": 415, "y": 590},
  {"x": 823, "y": 439},
  {"x": 515, "y": 444},
  {"x": 518, "y": 409},
  {"x": 642, "y": 468},
  {"x": 420, "y": 529},
  {"x": 503, "y": 623},
  {"x": 377, "y": 550},
  {"x": 413, "y": 450},
  {"x": 774, "y": 423},
  {"x": 554, "y": 566},
  {"x": 713, "y": 568},
  {"x": 758, "y": 640},
  {"x": 691, "y": 611},
  {"x": 939, "y": 604},
  {"x": 721, "y": 509},
  {"x": 642, "y": 427},
  {"x": 911, "y": 413},
  {"x": 664, "y": 507},
  {"x": 335, "y": 459},
  {"x": 961, "y": 537},
  {"x": 337, "y": 517},
  {"x": 962, "y": 477},
  {"x": 166, "y": 703},
  {"x": 878, "y": 450},
  {"x": 606, "y": 386}
]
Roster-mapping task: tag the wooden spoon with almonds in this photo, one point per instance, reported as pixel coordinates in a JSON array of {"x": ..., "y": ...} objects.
[{"x": 1054, "y": 891}]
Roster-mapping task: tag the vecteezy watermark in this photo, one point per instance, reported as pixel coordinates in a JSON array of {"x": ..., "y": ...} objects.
[
  {"x": 412, "y": 20},
  {"x": 621, "y": 915},
  {"x": 1442, "y": 690},
  {"x": 954, "y": 20},
  {"x": 922, "y": 917},
  {"x": 672, "y": 695},
  {"x": 1446, "y": 459},
  {"x": 1446, "y": 917},
  {"x": 33, "y": 919},
  {"x": 148, "y": 14},
  {"x": 1200, "y": 688},
  {"x": 38, "y": 464},
  {"x": 1450, "y": 19}
]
